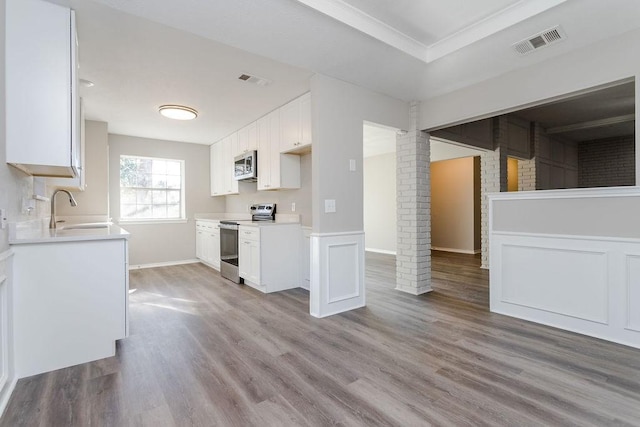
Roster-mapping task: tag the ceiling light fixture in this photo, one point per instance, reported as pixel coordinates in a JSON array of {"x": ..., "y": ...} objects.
[
  {"x": 178, "y": 112},
  {"x": 87, "y": 83}
]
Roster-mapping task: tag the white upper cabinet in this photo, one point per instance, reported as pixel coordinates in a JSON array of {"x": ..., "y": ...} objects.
[
  {"x": 41, "y": 88},
  {"x": 221, "y": 164},
  {"x": 275, "y": 170},
  {"x": 296, "y": 125},
  {"x": 79, "y": 182},
  {"x": 247, "y": 139}
]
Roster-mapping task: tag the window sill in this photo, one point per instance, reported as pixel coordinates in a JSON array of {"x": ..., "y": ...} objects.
[{"x": 151, "y": 221}]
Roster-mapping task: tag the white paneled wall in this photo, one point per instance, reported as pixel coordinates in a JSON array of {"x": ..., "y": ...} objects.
[{"x": 553, "y": 264}]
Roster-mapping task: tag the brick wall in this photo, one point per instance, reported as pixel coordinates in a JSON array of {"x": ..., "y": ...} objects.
[
  {"x": 493, "y": 179},
  {"x": 607, "y": 162},
  {"x": 413, "y": 193},
  {"x": 527, "y": 175}
]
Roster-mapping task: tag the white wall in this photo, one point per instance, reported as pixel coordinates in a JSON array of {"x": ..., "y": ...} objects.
[
  {"x": 94, "y": 200},
  {"x": 453, "y": 205},
  {"x": 282, "y": 198},
  {"x": 380, "y": 203},
  {"x": 168, "y": 242},
  {"x": 338, "y": 110}
]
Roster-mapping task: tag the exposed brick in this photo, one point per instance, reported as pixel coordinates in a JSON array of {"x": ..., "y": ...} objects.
[
  {"x": 607, "y": 162},
  {"x": 413, "y": 189}
]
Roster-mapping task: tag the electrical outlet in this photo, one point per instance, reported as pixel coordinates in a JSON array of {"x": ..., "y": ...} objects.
[
  {"x": 293, "y": 206},
  {"x": 329, "y": 206}
]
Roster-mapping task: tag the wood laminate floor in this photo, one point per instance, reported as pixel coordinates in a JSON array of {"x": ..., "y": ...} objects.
[{"x": 206, "y": 352}]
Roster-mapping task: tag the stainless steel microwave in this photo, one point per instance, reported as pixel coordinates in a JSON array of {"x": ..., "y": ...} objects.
[{"x": 246, "y": 166}]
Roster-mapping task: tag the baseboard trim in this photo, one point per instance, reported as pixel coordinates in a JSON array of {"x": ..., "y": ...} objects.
[
  {"x": 380, "y": 251},
  {"x": 457, "y": 251},
  {"x": 163, "y": 264},
  {"x": 5, "y": 395}
]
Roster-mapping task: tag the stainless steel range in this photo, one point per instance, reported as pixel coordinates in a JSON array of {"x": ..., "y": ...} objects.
[{"x": 229, "y": 239}]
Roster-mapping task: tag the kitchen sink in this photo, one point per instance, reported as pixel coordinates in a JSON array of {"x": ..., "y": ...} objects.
[{"x": 86, "y": 226}]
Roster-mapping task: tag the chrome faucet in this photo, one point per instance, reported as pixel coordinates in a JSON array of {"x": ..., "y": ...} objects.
[{"x": 52, "y": 222}]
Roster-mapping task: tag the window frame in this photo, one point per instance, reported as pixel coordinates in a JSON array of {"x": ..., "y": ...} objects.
[{"x": 183, "y": 217}]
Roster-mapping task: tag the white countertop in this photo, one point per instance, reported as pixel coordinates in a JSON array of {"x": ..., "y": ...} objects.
[
  {"x": 266, "y": 223},
  {"x": 222, "y": 216},
  {"x": 245, "y": 219},
  {"x": 39, "y": 232}
]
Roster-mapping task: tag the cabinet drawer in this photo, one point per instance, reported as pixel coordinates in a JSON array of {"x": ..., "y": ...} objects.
[{"x": 249, "y": 233}]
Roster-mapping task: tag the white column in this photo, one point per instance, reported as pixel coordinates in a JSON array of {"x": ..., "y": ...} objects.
[{"x": 413, "y": 204}]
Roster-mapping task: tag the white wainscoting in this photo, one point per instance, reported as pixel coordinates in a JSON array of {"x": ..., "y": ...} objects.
[
  {"x": 7, "y": 377},
  {"x": 589, "y": 285},
  {"x": 337, "y": 273}
]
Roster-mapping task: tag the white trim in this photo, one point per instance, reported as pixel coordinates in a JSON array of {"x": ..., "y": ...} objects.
[
  {"x": 567, "y": 236},
  {"x": 454, "y": 250},
  {"x": 495, "y": 23},
  {"x": 5, "y": 395},
  {"x": 361, "y": 21},
  {"x": 6, "y": 255},
  {"x": 337, "y": 234},
  {"x": 380, "y": 251},
  {"x": 152, "y": 221},
  {"x": 573, "y": 193},
  {"x": 8, "y": 382},
  {"x": 163, "y": 264}
]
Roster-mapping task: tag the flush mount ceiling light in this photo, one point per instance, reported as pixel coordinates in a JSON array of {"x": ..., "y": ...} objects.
[
  {"x": 178, "y": 112},
  {"x": 87, "y": 83}
]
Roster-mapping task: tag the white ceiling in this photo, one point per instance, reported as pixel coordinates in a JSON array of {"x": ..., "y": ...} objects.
[
  {"x": 143, "y": 53},
  {"x": 429, "y": 21},
  {"x": 379, "y": 140}
]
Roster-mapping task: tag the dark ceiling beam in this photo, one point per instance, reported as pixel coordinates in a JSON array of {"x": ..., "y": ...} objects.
[{"x": 592, "y": 124}]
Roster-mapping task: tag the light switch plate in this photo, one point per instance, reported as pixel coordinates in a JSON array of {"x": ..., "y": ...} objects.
[
  {"x": 352, "y": 165},
  {"x": 3, "y": 218},
  {"x": 293, "y": 206},
  {"x": 329, "y": 206}
]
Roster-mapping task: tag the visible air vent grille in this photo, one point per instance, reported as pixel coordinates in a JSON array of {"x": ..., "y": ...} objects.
[
  {"x": 255, "y": 80},
  {"x": 540, "y": 40}
]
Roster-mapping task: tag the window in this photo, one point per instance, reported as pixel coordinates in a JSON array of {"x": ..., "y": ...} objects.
[{"x": 151, "y": 188}]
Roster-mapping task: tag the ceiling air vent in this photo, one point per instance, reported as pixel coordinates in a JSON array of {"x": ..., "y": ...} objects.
[
  {"x": 255, "y": 80},
  {"x": 540, "y": 40}
]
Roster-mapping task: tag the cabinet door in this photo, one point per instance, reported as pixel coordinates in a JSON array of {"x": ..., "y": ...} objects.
[
  {"x": 206, "y": 245},
  {"x": 305, "y": 120},
  {"x": 215, "y": 152},
  {"x": 244, "y": 259},
  {"x": 215, "y": 246},
  {"x": 40, "y": 87},
  {"x": 254, "y": 269},
  {"x": 199, "y": 236},
  {"x": 290, "y": 125},
  {"x": 77, "y": 183},
  {"x": 243, "y": 141},
  {"x": 264, "y": 153},
  {"x": 230, "y": 185},
  {"x": 252, "y": 137},
  {"x": 274, "y": 151}
]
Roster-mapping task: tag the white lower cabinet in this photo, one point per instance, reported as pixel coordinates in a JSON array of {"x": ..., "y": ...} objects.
[
  {"x": 208, "y": 243},
  {"x": 70, "y": 303},
  {"x": 249, "y": 254},
  {"x": 269, "y": 256},
  {"x": 5, "y": 328}
]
